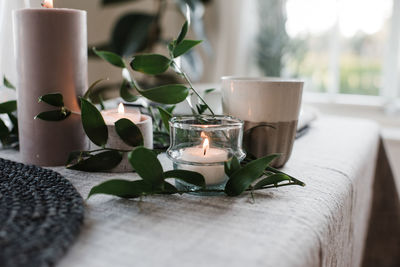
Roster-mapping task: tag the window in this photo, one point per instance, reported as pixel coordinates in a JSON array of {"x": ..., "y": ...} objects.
[{"x": 337, "y": 46}]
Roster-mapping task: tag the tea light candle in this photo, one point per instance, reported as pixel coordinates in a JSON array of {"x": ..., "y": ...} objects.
[
  {"x": 214, "y": 174},
  {"x": 143, "y": 122},
  {"x": 111, "y": 116}
]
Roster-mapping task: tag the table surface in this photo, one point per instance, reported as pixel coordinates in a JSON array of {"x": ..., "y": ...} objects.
[{"x": 322, "y": 224}]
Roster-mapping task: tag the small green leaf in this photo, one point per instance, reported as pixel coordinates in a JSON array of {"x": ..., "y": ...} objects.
[
  {"x": 92, "y": 86},
  {"x": 170, "y": 109},
  {"x": 165, "y": 117},
  {"x": 169, "y": 189},
  {"x": 232, "y": 166},
  {"x": 186, "y": 176},
  {"x": 108, "y": 2},
  {"x": 129, "y": 132},
  {"x": 93, "y": 123},
  {"x": 201, "y": 108},
  {"x": 55, "y": 99},
  {"x": 14, "y": 122},
  {"x": 76, "y": 157},
  {"x": 146, "y": 164},
  {"x": 209, "y": 90},
  {"x": 8, "y": 107},
  {"x": 150, "y": 63},
  {"x": 110, "y": 57},
  {"x": 54, "y": 115},
  {"x": 7, "y": 83},
  {"x": 166, "y": 94},
  {"x": 244, "y": 177},
  {"x": 125, "y": 94},
  {"x": 133, "y": 32},
  {"x": 185, "y": 46},
  {"x": 183, "y": 33},
  {"x": 273, "y": 179},
  {"x": 4, "y": 131},
  {"x": 103, "y": 161},
  {"x": 122, "y": 188}
]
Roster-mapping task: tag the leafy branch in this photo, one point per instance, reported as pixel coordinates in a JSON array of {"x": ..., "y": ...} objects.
[
  {"x": 9, "y": 136},
  {"x": 248, "y": 178}
]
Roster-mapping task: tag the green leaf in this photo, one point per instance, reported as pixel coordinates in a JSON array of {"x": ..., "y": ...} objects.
[
  {"x": 146, "y": 164},
  {"x": 92, "y": 86},
  {"x": 273, "y": 179},
  {"x": 110, "y": 2},
  {"x": 125, "y": 94},
  {"x": 93, "y": 123},
  {"x": 201, "y": 108},
  {"x": 14, "y": 122},
  {"x": 185, "y": 46},
  {"x": 3, "y": 130},
  {"x": 169, "y": 189},
  {"x": 76, "y": 157},
  {"x": 170, "y": 109},
  {"x": 183, "y": 33},
  {"x": 240, "y": 180},
  {"x": 232, "y": 166},
  {"x": 209, "y": 90},
  {"x": 165, "y": 117},
  {"x": 55, "y": 99},
  {"x": 103, "y": 161},
  {"x": 110, "y": 57},
  {"x": 7, "y": 83},
  {"x": 54, "y": 115},
  {"x": 129, "y": 132},
  {"x": 122, "y": 188},
  {"x": 150, "y": 63},
  {"x": 131, "y": 34},
  {"x": 166, "y": 94},
  {"x": 186, "y": 176},
  {"x": 8, "y": 107}
]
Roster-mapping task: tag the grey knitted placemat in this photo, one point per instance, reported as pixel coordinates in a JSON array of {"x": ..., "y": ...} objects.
[{"x": 41, "y": 214}]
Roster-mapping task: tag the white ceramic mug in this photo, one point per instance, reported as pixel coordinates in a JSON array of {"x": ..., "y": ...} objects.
[{"x": 270, "y": 108}]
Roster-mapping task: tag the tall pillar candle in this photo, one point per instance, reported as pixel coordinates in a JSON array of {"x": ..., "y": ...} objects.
[{"x": 51, "y": 53}]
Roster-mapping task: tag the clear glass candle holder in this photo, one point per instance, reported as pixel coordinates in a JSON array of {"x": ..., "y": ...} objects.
[{"x": 203, "y": 144}]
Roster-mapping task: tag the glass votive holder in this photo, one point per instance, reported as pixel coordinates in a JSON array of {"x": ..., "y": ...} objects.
[{"x": 203, "y": 144}]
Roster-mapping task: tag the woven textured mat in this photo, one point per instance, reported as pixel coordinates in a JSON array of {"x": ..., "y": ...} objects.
[{"x": 41, "y": 214}]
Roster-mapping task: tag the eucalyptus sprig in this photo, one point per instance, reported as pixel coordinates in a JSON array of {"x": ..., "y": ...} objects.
[
  {"x": 250, "y": 175},
  {"x": 242, "y": 178},
  {"x": 9, "y": 137},
  {"x": 103, "y": 158},
  {"x": 155, "y": 64}
]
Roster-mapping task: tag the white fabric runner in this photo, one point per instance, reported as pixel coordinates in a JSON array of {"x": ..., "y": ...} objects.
[{"x": 322, "y": 224}]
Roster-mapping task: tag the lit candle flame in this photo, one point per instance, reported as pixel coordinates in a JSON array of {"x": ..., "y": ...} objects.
[
  {"x": 47, "y": 3},
  {"x": 121, "y": 109},
  {"x": 206, "y": 145}
]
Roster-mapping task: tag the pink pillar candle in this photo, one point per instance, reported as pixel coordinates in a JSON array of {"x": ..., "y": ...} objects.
[{"x": 51, "y": 53}]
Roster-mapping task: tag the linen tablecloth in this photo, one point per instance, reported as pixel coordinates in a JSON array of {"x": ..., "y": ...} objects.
[{"x": 325, "y": 223}]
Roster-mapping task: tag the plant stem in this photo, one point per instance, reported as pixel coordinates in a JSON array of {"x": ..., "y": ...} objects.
[
  {"x": 105, "y": 149},
  {"x": 191, "y": 87}
]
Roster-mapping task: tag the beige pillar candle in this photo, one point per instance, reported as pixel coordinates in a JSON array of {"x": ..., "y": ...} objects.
[{"x": 51, "y": 52}]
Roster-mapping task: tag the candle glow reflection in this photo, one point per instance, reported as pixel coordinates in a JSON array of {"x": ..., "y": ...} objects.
[
  {"x": 47, "y": 3},
  {"x": 121, "y": 109}
]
